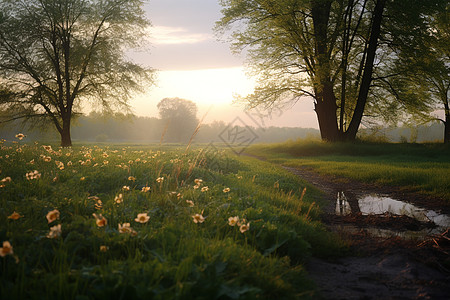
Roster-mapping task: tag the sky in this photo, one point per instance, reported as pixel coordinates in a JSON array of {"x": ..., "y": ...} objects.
[{"x": 193, "y": 64}]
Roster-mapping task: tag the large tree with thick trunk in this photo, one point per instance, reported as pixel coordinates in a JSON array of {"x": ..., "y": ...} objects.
[
  {"x": 330, "y": 50},
  {"x": 57, "y": 54}
]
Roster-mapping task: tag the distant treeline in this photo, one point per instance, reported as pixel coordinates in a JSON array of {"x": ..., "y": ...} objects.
[{"x": 119, "y": 128}]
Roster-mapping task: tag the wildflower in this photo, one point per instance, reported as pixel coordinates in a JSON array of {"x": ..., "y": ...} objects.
[
  {"x": 59, "y": 164},
  {"x": 47, "y": 159},
  {"x": 232, "y": 221},
  {"x": 103, "y": 248},
  {"x": 276, "y": 185},
  {"x": 126, "y": 188},
  {"x": 82, "y": 178},
  {"x": 105, "y": 155},
  {"x": 159, "y": 179},
  {"x": 31, "y": 162},
  {"x": 191, "y": 203},
  {"x": 198, "y": 181},
  {"x": 126, "y": 228},
  {"x": 68, "y": 154},
  {"x": 14, "y": 216},
  {"x": 100, "y": 220},
  {"x": 99, "y": 204},
  {"x": 55, "y": 179},
  {"x": 198, "y": 218},
  {"x": 6, "y": 179},
  {"x": 226, "y": 190},
  {"x": 244, "y": 227},
  {"x": 146, "y": 189},
  {"x": 48, "y": 148},
  {"x": 196, "y": 187},
  {"x": 205, "y": 189},
  {"x": 179, "y": 196},
  {"x": 33, "y": 175},
  {"x": 132, "y": 178},
  {"x": 7, "y": 249},
  {"x": 69, "y": 163},
  {"x": 52, "y": 215},
  {"x": 142, "y": 218},
  {"x": 118, "y": 199},
  {"x": 55, "y": 232},
  {"x": 20, "y": 136},
  {"x": 105, "y": 162}
]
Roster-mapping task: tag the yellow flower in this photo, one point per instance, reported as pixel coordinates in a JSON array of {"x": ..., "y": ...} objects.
[
  {"x": 103, "y": 248},
  {"x": 48, "y": 148},
  {"x": 33, "y": 175},
  {"x": 198, "y": 218},
  {"x": 142, "y": 218},
  {"x": 52, "y": 215},
  {"x": 55, "y": 232},
  {"x": 131, "y": 178},
  {"x": 191, "y": 204},
  {"x": 14, "y": 216},
  {"x": 160, "y": 179},
  {"x": 205, "y": 189},
  {"x": 198, "y": 181},
  {"x": 59, "y": 164},
  {"x": 276, "y": 185},
  {"x": 232, "y": 221},
  {"x": 100, "y": 220},
  {"x": 244, "y": 227},
  {"x": 118, "y": 199},
  {"x": 226, "y": 190},
  {"x": 20, "y": 136},
  {"x": 82, "y": 178},
  {"x": 47, "y": 159},
  {"x": 6, "y": 179},
  {"x": 146, "y": 189},
  {"x": 126, "y": 188},
  {"x": 125, "y": 228},
  {"x": 7, "y": 249}
]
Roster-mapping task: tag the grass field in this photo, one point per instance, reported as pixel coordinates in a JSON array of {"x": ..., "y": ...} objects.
[
  {"x": 140, "y": 222},
  {"x": 422, "y": 168}
]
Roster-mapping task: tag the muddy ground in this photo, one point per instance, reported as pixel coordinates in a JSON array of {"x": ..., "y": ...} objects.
[{"x": 380, "y": 267}]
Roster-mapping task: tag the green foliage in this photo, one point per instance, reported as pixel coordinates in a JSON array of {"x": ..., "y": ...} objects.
[
  {"x": 58, "y": 54},
  {"x": 169, "y": 256},
  {"x": 417, "y": 167}
]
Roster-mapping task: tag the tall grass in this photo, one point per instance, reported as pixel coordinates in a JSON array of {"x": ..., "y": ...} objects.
[{"x": 169, "y": 256}]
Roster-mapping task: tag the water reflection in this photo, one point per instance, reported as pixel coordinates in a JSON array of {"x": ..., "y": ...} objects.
[
  {"x": 376, "y": 204},
  {"x": 342, "y": 205}
]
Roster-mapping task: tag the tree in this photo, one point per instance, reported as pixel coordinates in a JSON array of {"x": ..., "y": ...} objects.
[
  {"x": 57, "y": 54},
  {"x": 422, "y": 69},
  {"x": 326, "y": 49},
  {"x": 180, "y": 117}
]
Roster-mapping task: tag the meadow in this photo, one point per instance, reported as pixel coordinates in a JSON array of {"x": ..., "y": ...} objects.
[
  {"x": 154, "y": 222},
  {"x": 420, "y": 168}
]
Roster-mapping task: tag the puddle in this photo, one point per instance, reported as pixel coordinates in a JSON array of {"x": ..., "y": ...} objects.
[{"x": 374, "y": 204}]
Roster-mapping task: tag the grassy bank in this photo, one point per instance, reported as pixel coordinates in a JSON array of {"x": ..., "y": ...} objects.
[
  {"x": 121, "y": 222},
  {"x": 422, "y": 168}
]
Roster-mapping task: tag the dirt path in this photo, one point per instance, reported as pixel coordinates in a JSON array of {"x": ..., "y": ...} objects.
[{"x": 379, "y": 267}]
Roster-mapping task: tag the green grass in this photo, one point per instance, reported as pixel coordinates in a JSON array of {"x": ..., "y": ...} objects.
[
  {"x": 170, "y": 256},
  {"x": 422, "y": 168}
]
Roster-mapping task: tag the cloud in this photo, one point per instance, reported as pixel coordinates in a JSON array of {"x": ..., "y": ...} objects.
[{"x": 165, "y": 35}]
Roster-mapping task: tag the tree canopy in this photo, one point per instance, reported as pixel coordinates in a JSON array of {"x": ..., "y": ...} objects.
[
  {"x": 330, "y": 50},
  {"x": 56, "y": 55}
]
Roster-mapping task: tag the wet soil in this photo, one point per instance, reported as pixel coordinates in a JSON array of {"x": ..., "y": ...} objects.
[{"x": 380, "y": 266}]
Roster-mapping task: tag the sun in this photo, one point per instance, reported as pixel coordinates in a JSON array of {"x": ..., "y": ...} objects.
[{"x": 204, "y": 87}]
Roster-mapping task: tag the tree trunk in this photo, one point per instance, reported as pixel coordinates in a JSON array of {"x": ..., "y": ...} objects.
[
  {"x": 375, "y": 31},
  {"x": 66, "y": 140},
  {"x": 447, "y": 129},
  {"x": 326, "y": 109}
]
